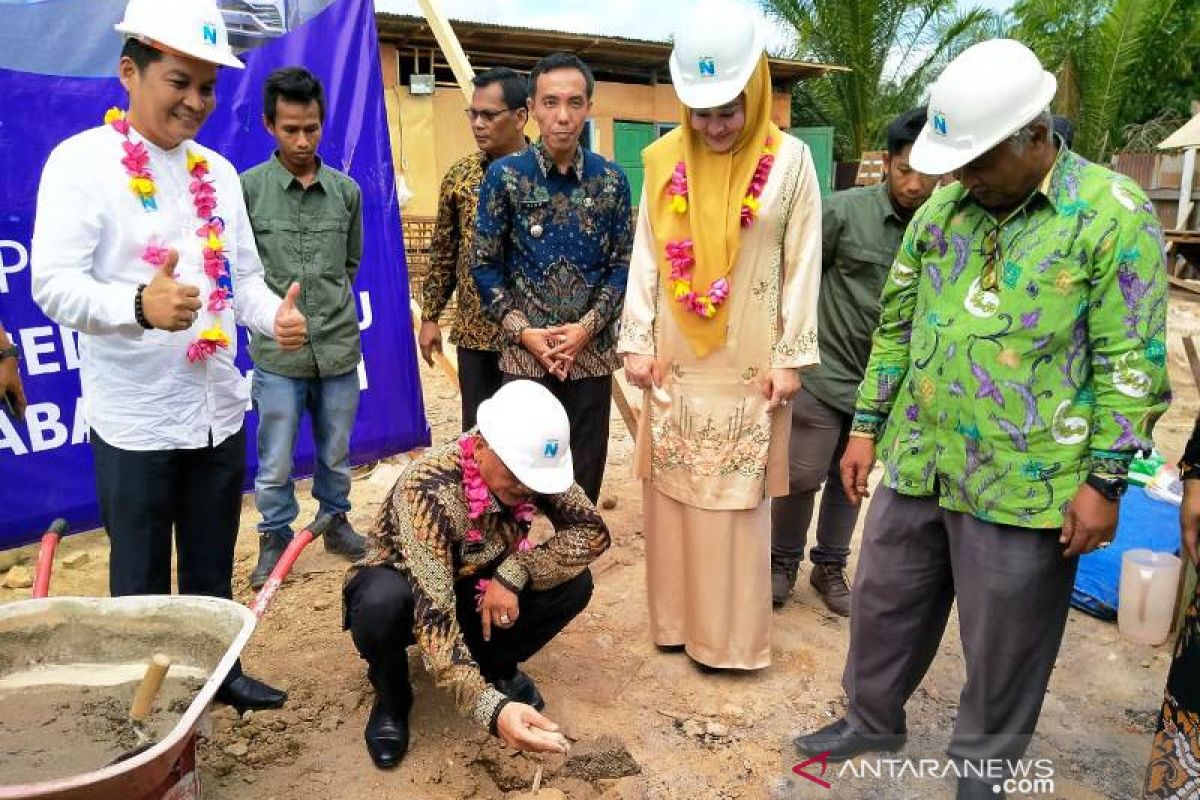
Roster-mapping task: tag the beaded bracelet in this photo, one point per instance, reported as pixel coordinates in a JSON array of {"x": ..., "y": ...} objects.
[{"x": 139, "y": 313}]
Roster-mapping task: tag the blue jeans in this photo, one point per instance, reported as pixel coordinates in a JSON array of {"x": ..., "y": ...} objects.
[{"x": 332, "y": 403}]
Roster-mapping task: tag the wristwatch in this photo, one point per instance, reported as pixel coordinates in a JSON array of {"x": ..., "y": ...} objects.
[
  {"x": 12, "y": 351},
  {"x": 1111, "y": 488}
]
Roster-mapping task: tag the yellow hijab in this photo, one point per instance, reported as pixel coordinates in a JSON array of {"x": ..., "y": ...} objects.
[{"x": 717, "y": 184}]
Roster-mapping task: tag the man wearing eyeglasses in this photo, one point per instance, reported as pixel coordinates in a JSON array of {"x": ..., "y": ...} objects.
[
  {"x": 1018, "y": 367},
  {"x": 498, "y": 114}
]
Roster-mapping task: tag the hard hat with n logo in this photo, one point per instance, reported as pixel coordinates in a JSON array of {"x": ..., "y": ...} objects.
[
  {"x": 991, "y": 91},
  {"x": 191, "y": 28},
  {"x": 716, "y": 51},
  {"x": 528, "y": 428}
]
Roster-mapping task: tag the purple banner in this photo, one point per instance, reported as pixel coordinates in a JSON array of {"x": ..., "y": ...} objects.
[{"x": 54, "y": 91}]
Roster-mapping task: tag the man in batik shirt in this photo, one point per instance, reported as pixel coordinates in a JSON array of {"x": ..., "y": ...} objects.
[
  {"x": 498, "y": 112},
  {"x": 552, "y": 255},
  {"x": 451, "y": 569},
  {"x": 1018, "y": 367}
]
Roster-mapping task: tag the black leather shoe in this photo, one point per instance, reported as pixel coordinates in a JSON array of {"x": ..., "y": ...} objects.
[
  {"x": 841, "y": 742},
  {"x": 386, "y": 733},
  {"x": 976, "y": 789},
  {"x": 343, "y": 540},
  {"x": 520, "y": 688},
  {"x": 245, "y": 693},
  {"x": 270, "y": 548}
]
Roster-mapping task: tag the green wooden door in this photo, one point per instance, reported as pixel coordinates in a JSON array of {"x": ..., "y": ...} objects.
[
  {"x": 820, "y": 142},
  {"x": 629, "y": 139}
]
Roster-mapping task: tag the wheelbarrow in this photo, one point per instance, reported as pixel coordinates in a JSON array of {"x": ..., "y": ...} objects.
[{"x": 199, "y": 634}]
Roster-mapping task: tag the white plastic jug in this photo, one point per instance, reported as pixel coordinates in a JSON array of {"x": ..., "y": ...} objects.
[{"x": 1149, "y": 586}]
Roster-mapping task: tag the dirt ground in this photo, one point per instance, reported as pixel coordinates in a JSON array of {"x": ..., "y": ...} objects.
[{"x": 694, "y": 735}]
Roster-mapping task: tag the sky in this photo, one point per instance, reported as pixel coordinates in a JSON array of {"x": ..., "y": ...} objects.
[{"x": 637, "y": 19}]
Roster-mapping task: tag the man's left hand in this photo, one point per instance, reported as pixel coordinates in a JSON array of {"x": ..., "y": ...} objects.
[
  {"x": 290, "y": 325},
  {"x": 571, "y": 338},
  {"x": 498, "y": 607},
  {"x": 1090, "y": 521}
]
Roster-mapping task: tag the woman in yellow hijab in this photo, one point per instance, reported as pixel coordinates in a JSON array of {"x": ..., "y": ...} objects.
[{"x": 720, "y": 315}]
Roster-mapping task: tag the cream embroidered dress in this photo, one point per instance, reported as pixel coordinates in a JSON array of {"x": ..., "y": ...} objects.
[{"x": 709, "y": 451}]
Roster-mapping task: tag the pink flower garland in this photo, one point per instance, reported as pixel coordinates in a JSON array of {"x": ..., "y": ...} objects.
[
  {"x": 479, "y": 498},
  {"x": 680, "y": 252},
  {"x": 204, "y": 199}
]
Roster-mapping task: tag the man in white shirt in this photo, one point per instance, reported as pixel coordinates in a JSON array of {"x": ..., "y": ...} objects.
[{"x": 142, "y": 242}]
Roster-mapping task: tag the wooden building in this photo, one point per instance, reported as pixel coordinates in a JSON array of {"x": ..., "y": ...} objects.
[{"x": 634, "y": 101}]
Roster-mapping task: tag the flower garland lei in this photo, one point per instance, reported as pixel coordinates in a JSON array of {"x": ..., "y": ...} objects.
[
  {"x": 211, "y": 230},
  {"x": 479, "y": 498},
  {"x": 680, "y": 252}
]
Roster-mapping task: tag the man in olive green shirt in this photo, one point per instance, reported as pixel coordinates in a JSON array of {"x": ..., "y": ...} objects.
[
  {"x": 307, "y": 222},
  {"x": 1018, "y": 367},
  {"x": 861, "y": 232}
]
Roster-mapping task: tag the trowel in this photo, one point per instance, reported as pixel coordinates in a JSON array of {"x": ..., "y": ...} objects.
[{"x": 143, "y": 700}]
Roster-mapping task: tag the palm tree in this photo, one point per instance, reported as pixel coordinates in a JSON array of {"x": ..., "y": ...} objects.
[
  {"x": 892, "y": 47},
  {"x": 1107, "y": 55}
]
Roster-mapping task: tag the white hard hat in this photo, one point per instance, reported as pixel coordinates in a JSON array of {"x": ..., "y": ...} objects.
[
  {"x": 715, "y": 54},
  {"x": 191, "y": 27},
  {"x": 528, "y": 428},
  {"x": 988, "y": 93}
]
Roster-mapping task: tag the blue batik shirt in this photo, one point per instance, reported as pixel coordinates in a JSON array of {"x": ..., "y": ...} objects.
[{"x": 553, "y": 248}]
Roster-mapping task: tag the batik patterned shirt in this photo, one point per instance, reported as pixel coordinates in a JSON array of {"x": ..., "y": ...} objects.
[
  {"x": 451, "y": 255},
  {"x": 422, "y": 532},
  {"x": 1013, "y": 357},
  {"x": 553, "y": 248}
]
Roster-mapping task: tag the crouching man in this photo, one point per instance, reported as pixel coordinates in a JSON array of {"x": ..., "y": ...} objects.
[{"x": 449, "y": 568}]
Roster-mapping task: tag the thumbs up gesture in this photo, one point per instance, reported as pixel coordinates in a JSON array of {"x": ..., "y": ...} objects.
[
  {"x": 290, "y": 325},
  {"x": 168, "y": 304}
]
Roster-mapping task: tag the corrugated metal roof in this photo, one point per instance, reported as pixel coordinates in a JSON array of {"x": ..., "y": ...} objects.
[{"x": 516, "y": 46}]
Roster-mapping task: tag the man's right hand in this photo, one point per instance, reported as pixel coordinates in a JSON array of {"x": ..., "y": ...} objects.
[
  {"x": 168, "y": 304},
  {"x": 856, "y": 467},
  {"x": 430, "y": 339},
  {"x": 642, "y": 371},
  {"x": 523, "y": 728}
]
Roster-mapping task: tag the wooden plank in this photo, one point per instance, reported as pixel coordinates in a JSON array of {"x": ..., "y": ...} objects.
[
  {"x": 1188, "y": 286},
  {"x": 1189, "y": 347},
  {"x": 451, "y": 48},
  {"x": 627, "y": 411}
]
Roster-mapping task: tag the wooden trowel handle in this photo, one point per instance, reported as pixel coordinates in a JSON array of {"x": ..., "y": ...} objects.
[{"x": 147, "y": 690}]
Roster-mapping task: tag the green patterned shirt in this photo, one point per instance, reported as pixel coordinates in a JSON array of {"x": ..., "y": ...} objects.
[{"x": 1013, "y": 357}]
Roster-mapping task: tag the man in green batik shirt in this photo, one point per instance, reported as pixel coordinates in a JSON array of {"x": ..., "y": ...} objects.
[{"x": 1018, "y": 367}]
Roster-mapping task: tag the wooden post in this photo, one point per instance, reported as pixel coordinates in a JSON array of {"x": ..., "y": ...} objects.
[
  {"x": 448, "y": 41},
  {"x": 1185, "y": 189}
]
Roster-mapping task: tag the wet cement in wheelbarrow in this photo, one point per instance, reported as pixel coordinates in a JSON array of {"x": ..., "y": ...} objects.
[{"x": 49, "y": 732}]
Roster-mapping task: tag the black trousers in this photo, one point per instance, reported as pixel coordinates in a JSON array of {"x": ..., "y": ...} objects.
[
  {"x": 588, "y": 402},
  {"x": 378, "y": 612},
  {"x": 478, "y": 379},
  {"x": 145, "y": 496}
]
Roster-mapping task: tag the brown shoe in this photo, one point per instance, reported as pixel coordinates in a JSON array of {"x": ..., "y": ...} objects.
[
  {"x": 783, "y": 578},
  {"x": 830, "y": 582}
]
